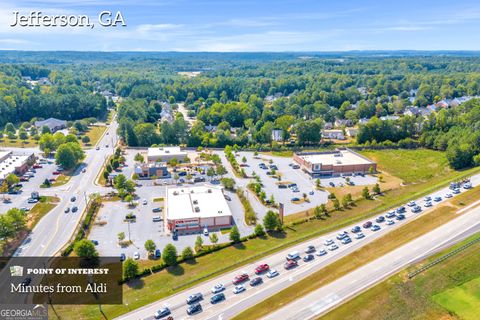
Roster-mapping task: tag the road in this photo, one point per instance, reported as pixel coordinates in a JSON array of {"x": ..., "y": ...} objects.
[
  {"x": 234, "y": 304},
  {"x": 350, "y": 285},
  {"x": 56, "y": 227}
]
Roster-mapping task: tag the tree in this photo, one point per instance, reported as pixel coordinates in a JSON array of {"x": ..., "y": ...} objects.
[
  {"x": 271, "y": 221},
  {"x": 121, "y": 236},
  {"x": 376, "y": 189},
  {"x": 12, "y": 179},
  {"x": 317, "y": 212},
  {"x": 323, "y": 209},
  {"x": 17, "y": 219},
  {"x": 169, "y": 255},
  {"x": 336, "y": 204},
  {"x": 130, "y": 269},
  {"x": 7, "y": 229},
  {"x": 345, "y": 202},
  {"x": 22, "y": 134},
  {"x": 69, "y": 154},
  {"x": 198, "y": 244},
  {"x": 235, "y": 235},
  {"x": 228, "y": 183},
  {"x": 47, "y": 183},
  {"x": 139, "y": 157},
  {"x": 213, "y": 238},
  {"x": 365, "y": 193},
  {"x": 244, "y": 159},
  {"x": 187, "y": 253},
  {"x": 85, "y": 139},
  {"x": 221, "y": 170},
  {"x": 150, "y": 246},
  {"x": 85, "y": 249},
  {"x": 9, "y": 128},
  {"x": 318, "y": 183},
  {"x": 210, "y": 172},
  {"x": 259, "y": 231},
  {"x": 119, "y": 181}
]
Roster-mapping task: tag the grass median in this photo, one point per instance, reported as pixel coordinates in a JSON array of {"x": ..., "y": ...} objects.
[{"x": 362, "y": 256}]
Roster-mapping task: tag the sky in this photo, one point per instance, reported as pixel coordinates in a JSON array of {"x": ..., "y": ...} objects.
[{"x": 250, "y": 25}]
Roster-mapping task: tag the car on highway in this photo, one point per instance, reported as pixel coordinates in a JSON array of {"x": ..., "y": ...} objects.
[
  {"x": 390, "y": 214},
  {"x": 218, "y": 288},
  {"x": 416, "y": 209},
  {"x": 310, "y": 249},
  {"x": 467, "y": 185},
  {"x": 456, "y": 191},
  {"x": 240, "y": 278},
  {"x": 294, "y": 255},
  {"x": 227, "y": 197},
  {"x": 67, "y": 210},
  {"x": 262, "y": 268},
  {"x": 321, "y": 252},
  {"x": 73, "y": 199},
  {"x": 375, "y": 227},
  {"x": 390, "y": 222},
  {"x": 437, "y": 199},
  {"x": 428, "y": 198},
  {"x": 346, "y": 240},
  {"x": 333, "y": 247},
  {"x": 308, "y": 257},
  {"x": 161, "y": 313},
  {"x": 136, "y": 255},
  {"x": 74, "y": 209},
  {"x": 428, "y": 204},
  {"x": 342, "y": 235},
  {"x": 367, "y": 224},
  {"x": 290, "y": 264},
  {"x": 193, "y": 298},
  {"x": 123, "y": 257},
  {"x": 356, "y": 229},
  {"x": 238, "y": 289},
  {"x": 412, "y": 204},
  {"x": 359, "y": 235},
  {"x": 400, "y": 217},
  {"x": 217, "y": 298},
  {"x": 194, "y": 308},
  {"x": 380, "y": 219},
  {"x": 328, "y": 242},
  {"x": 272, "y": 273},
  {"x": 256, "y": 281},
  {"x": 400, "y": 209},
  {"x": 448, "y": 195}
]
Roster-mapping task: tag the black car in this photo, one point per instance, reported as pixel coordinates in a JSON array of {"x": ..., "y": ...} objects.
[
  {"x": 67, "y": 210},
  {"x": 331, "y": 184},
  {"x": 194, "y": 308},
  {"x": 74, "y": 209},
  {"x": 73, "y": 199},
  {"x": 380, "y": 219},
  {"x": 282, "y": 186},
  {"x": 400, "y": 217},
  {"x": 194, "y": 298},
  {"x": 217, "y": 298},
  {"x": 175, "y": 235},
  {"x": 308, "y": 257},
  {"x": 256, "y": 281}
]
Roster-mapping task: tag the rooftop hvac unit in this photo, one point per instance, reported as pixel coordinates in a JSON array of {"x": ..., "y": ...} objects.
[
  {"x": 209, "y": 190},
  {"x": 197, "y": 209},
  {"x": 195, "y": 201},
  {"x": 339, "y": 162},
  {"x": 192, "y": 191},
  {"x": 175, "y": 193}
]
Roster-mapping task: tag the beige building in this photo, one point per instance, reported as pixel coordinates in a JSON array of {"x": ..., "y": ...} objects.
[{"x": 165, "y": 154}]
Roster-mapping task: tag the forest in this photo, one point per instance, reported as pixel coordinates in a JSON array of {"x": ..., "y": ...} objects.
[{"x": 239, "y": 98}]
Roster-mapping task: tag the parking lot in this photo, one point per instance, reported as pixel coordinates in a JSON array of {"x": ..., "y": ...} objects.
[{"x": 305, "y": 184}]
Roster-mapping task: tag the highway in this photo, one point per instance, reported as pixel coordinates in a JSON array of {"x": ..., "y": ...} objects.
[
  {"x": 56, "y": 227},
  {"x": 350, "y": 285},
  {"x": 234, "y": 304}
]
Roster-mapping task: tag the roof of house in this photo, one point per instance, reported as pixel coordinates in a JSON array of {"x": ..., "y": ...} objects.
[
  {"x": 196, "y": 202},
  {"x": 51, "y": 123}
]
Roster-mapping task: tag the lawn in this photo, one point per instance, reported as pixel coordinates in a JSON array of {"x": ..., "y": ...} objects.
[
  {"x": 94, "y": 133},
  {"x": 29, "y": 143},
  {"x": 464, "y": 300},
  {"x": 424, "y": 296},
  {"x": 360, "y": 257},
  {"x": 40, "y": 209}
]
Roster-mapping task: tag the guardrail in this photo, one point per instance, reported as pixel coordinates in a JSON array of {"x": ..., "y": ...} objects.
[{"x": 442, "y": 258}]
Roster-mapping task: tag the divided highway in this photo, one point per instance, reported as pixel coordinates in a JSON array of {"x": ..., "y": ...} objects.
[{"x": 235, "y": 303}]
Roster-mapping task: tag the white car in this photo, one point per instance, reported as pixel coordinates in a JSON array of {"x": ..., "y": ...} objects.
[
  {"x": 136, "y": 256},
  {"x": 272, "y": 273},
  {"x": 238, "y": 289},
  {"x": 328, "y": 242},
  {"x": 448, "y": 195},
  {"x": 333, "y": 247},
  {"x": 428, "y": 199},
  {"x": 321, "y": 252},
  {"x": 205, "y": 231},
  {"x": 428, "y": 204},
  {"x": 145, "y": 202},
  {"x": 412, "y": 204},
  {"x": 390, "y": 222},
  {"x": 218, "y": 288},
  {"x": 359, "y": 236}
]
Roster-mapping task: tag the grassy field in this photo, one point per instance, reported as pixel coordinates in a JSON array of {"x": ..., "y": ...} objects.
[
  {"x": 360, "y": 257},
  {"x": 423, "y": 297},
  {"x": 40, "y": 209},
  {"x": 29, "y": 143},
  {"x": 94, "y": 133}
]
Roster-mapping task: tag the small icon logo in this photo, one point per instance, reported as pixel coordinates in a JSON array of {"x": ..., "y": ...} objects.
[{"x": 16, "y": 271}]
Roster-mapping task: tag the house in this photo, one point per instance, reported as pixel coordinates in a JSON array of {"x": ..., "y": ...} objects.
[
  {"x": 442, "y": 104},
  {"x": 44, "y": 81},
  {"x": 167, "y": 113},
  {"x": 53, "y": 124},
  {"x": 411, "y": 111},
  {"x": 385, "y": 118},
  {"x": 426, "y": 112},
  {"x": 333, "y": 134},
  {"x": 328, "y": 125},
  {"x": 363, "y": 121},
  {"x": 277, "y": 135},
  {"x": 351, "y": 132},
  {"x": 343, "y": 123},
  {"x": 148, "y": 170}
]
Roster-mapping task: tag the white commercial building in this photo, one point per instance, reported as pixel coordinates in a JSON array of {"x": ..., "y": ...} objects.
[
  {"x": 10, "y": 163},
  {"x": 190, "y": 209},
  {"x": 165, "y": 154}
]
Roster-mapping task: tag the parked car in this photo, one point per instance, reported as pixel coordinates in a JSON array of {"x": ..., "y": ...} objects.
[
  {"x": 32, "y": 200},
  {"x": 311, "y": 193},
  {"x": 73, "y": 199},
  {"x": 375, "y": 227},
  {"x": 123, "y": 257},
  {"x": 359, "y": 235},
  {"x": 161, "y": 313},
  {"x": 331, "y": 184},
  {"x": 346, "y": 240},
  {"x": 95, "y": 242},
  {"x": 218, "y": 288},
  {"x": 238, "y": 289},
  {"x": 227, "y": 197},
  {"x": 144, "y": 202},
  {"x": 74, "y": 209},
  {"x": 380, "y": 219},
  {"x": 240, "y": 278},
  {"x": 67, "y": 210},
  {"x": 272, "y": 273},
  {"x": 294, "y": 199},
  {"x": 333, "y": 247},
  {"x": 157, "y": 210},
  {"x": 205, "y": 231},
  {"x": 310, "y": 249},
  {"x": 308, "y": 257},
  {"x": 256, "y": 281},
  {"x": 194, "y": 298},
  {"x": 290, "y": 264},
  {"x": 390, "y": 222},
  {"x": 282, "y": 186},
  {"x": 136, "y": 256},
  {"x": 217, "y": 298},
  {"x": 356, "y": 229},
  {"x": 321, "y": 252},
  {"x": 367, "y": 224},
  {"x": 261, "y": 268},
  {"x": 157, "y": 253}
]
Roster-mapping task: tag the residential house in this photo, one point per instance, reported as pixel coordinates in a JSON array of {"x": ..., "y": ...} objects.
[
  {"x": 343, "y": 123},
  {"x": 52, "y": 123},
  {"x": 333, "y": 134},
  {"x": 411, "y": 111},
  {"x": 351, "y": 132},
  {"x": 389, "y": 117},
  {"x": 277, "y": 135}
]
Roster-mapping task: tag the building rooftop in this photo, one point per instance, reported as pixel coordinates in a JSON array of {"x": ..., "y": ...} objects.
[
  {"x": 9, "y": 164},
  {"x": 196, "y": 202},
  {"x": 340, "y": 157},
  {"x": 165, "y": 151}
]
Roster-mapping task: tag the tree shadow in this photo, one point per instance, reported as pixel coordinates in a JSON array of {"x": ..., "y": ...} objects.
[
  {"x": 136, "y": 283},
  {"x": 191, "y": 262},
  {"x": 239, "y": 246},
  {"x": 279, "y": 235},
  {"x": 176, "y": 270}
]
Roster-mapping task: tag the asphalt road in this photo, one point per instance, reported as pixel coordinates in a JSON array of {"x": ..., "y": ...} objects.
[
  {"x": 56, "y": 227},
  {"x": 331, "y": 295},
  {"x": 237, "y": 303}
]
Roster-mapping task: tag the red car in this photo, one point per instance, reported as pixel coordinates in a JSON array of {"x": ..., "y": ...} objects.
[
  {"x": 241, "y": 278},
  {"x": 261, "y": 268},
  {"x": 37, "y": 166},
  {"x": 23, "y": 179},
  {"x": 367, "y": 224},
  {"x": 55, "y": 172},
  {"x": 290, "y": 264}
]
